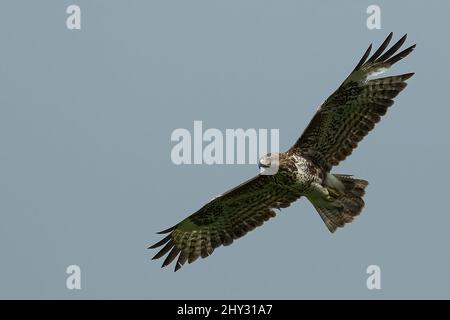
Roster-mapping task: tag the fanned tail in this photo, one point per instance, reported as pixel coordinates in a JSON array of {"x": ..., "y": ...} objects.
[{"x": 347, "y": 200}]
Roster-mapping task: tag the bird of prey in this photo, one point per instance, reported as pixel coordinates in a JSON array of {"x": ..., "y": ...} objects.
[{"x": 339, "y": 124}]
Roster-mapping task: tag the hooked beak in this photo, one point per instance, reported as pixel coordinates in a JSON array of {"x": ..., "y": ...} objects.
[{"x": 260, "y": 165}]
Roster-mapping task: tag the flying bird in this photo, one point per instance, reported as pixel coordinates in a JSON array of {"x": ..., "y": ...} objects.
[{"x": 339, "y": 124}]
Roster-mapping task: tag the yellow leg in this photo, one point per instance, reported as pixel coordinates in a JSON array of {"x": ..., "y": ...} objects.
[{"x": 333, "y": 192}]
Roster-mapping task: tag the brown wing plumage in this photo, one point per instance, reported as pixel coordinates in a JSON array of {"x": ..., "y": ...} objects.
[
  {"x": 225, "y": 218},
  {"x": 348, "y": 115}
]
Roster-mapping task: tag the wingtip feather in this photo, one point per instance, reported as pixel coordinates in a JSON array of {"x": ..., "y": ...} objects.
[
  {"x": 164, "y": 250},
  {"x": 160, "y": 243},
  {"x": 364, "y": 58},
  {"x": 172, "y": 254},
  {"x": 401, "y": 55},
  {"x": 392, "y": 50},
  {"x": 167, "y": 230},
  {"x": 406, "y": 76},
  {"x": 382, "y": 47}
]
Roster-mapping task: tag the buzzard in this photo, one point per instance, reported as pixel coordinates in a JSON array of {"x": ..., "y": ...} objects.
[{"x": 339, "y": 124}]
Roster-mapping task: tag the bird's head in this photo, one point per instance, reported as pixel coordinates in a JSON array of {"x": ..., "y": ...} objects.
[{"x": 269, "y": 163}]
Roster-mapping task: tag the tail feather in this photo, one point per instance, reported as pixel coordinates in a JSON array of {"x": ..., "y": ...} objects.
[{"x": 346, "y": 203}]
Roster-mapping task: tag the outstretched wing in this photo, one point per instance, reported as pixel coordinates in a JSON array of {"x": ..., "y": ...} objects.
[
  {"x": 225, "y": 218},
  {"x": 348, "y": 115}
]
